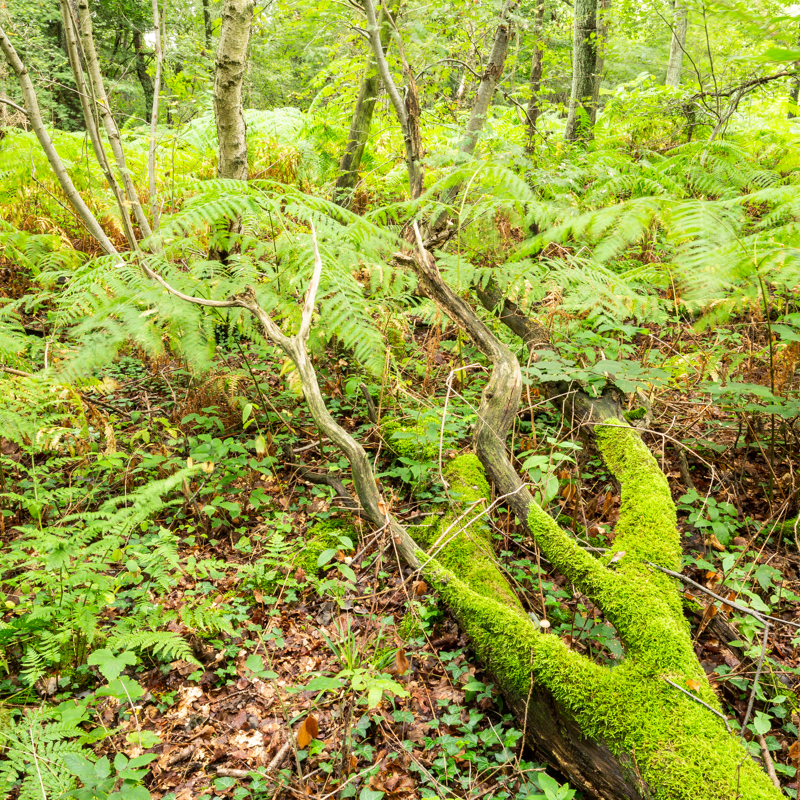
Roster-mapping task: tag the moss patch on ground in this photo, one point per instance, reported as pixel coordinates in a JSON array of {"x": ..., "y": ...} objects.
[{"x": 324, "y": 536}]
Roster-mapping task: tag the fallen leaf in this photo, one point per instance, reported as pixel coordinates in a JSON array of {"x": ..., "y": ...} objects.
[
  {"x": 419, "y": 587},
  {"x": 693, "y": 685},
  {"x": 312, "y": 726},
  {"x": 794, "y": 751},
  {"x": 400, "y": 661},
  {"x": 307, "y": 731}
]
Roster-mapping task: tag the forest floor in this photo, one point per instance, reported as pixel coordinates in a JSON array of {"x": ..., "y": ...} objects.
[{"x": 411, "y": 715}]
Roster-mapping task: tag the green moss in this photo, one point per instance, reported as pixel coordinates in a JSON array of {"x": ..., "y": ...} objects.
[
  {"x": 321, "y": 537},
  {"x": 635, "y": 414},
  {"x": 410, "y": 627},
  {"x": 414, "y": 442},
  {"x": 461, "y": 541},
  {"x": 681, "y": 749}
]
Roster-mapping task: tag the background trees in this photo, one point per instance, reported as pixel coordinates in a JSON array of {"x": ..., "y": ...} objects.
[{"x": 450, "y": 336}]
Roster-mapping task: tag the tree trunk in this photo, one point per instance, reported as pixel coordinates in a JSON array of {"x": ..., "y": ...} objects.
[
  {"x": 234, "y": 37},
  {"x": 88, "y": 106},
  {"x": 145, "y": 81},
  {"x": 362, "y": 115},
  {"x": 480, "y": 108},
  {"x": 621, "y": 733},
  {"x": 407, "y": 110},
  {"x": 35, "y": 119},
  {"x": 584, "y": 59},
  {"x": 103, "y": 108},
  {"x": 794, "y": 99},
  {"x": 66, "y": 107},
  {"x": 207, "y": 24},
  {"x": 535, "y": 81},
  {"x": 677, "y": 44},
  {"x": 600, "y": 58}
]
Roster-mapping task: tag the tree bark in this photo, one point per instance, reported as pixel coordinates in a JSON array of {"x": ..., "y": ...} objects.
[
  {"x": 692, "y": 754},
  {"x": 145, "y": 81},
  {"x": 794, "y": 98},
  {"x": 409, "y": 123},
  {"x": 207, "y": 24},
  {"x": 677, "y": 43},
  {"x": 480, "y": 108},
  {"x": 35, "y": 118},
  {"x": 600, "y": 58},
  {"x": 584, "y": 59},
  {"x": 86, "y": 96},
  {"x": 100, "y": 100},
  {"x": 234, "y": 37},
  {"x": 362, "y": 115},
  {"x": 535, "y": 80}
]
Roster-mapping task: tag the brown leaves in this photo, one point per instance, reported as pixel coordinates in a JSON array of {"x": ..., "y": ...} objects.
[
  {"x": 307, "y": 731},
  {"x": 419, "y": 588},
  {"x": 401, "y": 662}
]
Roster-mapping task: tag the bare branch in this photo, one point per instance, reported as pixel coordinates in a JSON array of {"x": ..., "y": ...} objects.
[{"x": 13, "y": 105}]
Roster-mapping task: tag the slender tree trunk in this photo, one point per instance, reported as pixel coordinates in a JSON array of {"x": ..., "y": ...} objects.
[
  {"x": 584, "y": 60},
  {"x": 491, "y": 75},
  {"x": 3, "y": 96},
  {"x": 36, "y": 122},
  {"x": 794, "y": 98},
  {"x": 207, "y": 24},
  {"x": 407, "y": 110},
  {"x": 480, "y": 108},
  {"x": 234, "y": 37},
  {"x": 535, "y": 81},
  {"x": 145, "y": 81},
  {"x": 362, "y": 115},
  {"x": 600, "y": 58},
  {"x": 65, "y": 107},
  {"x": 103, "y": 108},
  {"x": 90, "y": 116},
  {"x": 678, "y": 43}
]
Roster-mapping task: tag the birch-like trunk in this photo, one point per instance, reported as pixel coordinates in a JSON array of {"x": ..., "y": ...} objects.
[
  {"x": 234, "y": 37},
  {"x": 600, "y": 58},
  {"x": 678, "y": 44},
  {"x": 362, "y": 115},
  {"x": 584, "y": 60},
  {"x": 535, "y": 81},
  {"x": 407, "y": 110},
  {"x": 103, "y": 109}
]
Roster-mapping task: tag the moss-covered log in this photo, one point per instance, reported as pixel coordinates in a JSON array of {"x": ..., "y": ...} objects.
[{"x": 616, "y": 733}]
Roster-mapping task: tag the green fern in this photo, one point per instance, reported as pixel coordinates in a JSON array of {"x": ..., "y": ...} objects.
[
  {"x": 35, "y": 746},
  {"x": 166, "y": 645}
]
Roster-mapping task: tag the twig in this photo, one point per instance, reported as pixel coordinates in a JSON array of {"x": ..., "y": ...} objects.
[
  {"x": 18, "y": 372},
  {"x": 36, "y": 762},
  {"x": 768, "y": 763},
  {"x": 683, "y": 465},
  {"x": 744, "y": 609},
  {"x": 372, "y": 411},
  {"x": 8, "y": 102},
  {"x": 698, "y": 700},
  {"x": 755, "y": 679}
]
